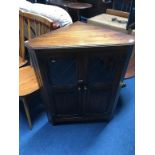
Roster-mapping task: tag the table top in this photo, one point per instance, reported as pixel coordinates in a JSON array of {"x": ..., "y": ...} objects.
[
  {"x": 105, "y": 20},
  {"x": 78, "y": 5},
  {"x": 80, "y": 35},
  {"x": 62, "y": 3},
  {"x": 73, "y": 4}
]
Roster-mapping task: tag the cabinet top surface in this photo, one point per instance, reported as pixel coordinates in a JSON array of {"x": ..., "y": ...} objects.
[{"x": 80, "y": 34}]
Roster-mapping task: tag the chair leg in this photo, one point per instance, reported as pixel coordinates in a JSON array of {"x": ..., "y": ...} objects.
[{"x": 27, "y": 113}]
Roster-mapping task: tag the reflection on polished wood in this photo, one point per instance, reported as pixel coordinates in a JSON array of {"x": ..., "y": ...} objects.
[{"x": 81, "y": 34}]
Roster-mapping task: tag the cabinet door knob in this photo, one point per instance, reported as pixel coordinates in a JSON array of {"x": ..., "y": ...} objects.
[
  {"x": 85, "y": 88},
  {"x": 80, "y": 81},
  {"x": 53, "y": 61},
  {"x": 79, "y": 88}
]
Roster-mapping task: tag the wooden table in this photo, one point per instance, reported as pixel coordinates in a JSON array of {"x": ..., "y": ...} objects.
[
  {"x": 71, "y": 4},
  {"x": 77, "y": 6},
  {"x": 79, "y": 69},
  {"x": 60, "y": 3}
]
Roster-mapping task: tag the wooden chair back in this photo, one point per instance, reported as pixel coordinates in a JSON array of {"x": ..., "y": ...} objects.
[
  {"x": 121, "y": 11},
  {"x": 32, "y": 25},
  {"x": 117, "y": 13}
]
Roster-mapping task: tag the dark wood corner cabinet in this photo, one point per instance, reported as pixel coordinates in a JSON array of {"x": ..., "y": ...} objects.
[{"x": 79, "y": 69}]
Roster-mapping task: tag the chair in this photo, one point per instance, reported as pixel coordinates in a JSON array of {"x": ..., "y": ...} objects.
[
  {"x": 31, "y": 25},
  {"x": 118, "y": 16}
]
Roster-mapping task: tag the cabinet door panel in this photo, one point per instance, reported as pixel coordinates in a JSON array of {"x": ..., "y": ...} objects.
[
  {"x": 97, "y": 101},
  {"x": 63, "y": 78},
  {"x": 101, "y": 70},
  {"x": 62, "y": 71},
  {"x": 66, "y": 102}
]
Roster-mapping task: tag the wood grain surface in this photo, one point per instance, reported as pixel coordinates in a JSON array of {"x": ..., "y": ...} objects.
[
  {"x": 27, "y": 81},
  {"x": 81, "y": 34},
  {"x": 117, "y": 13},
  {"x": 22, "y": 61}
]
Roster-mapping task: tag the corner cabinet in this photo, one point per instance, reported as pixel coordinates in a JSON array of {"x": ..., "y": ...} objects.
[{"x": 79, "y": 83}]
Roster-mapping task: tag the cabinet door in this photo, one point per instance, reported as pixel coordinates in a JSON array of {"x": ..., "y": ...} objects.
[
  {"x": 62, "y": 74},
  {"x": 103, "y": 75}
]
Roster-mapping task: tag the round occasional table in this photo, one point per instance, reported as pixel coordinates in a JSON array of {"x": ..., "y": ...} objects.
[{"x": 78, "y": 6}]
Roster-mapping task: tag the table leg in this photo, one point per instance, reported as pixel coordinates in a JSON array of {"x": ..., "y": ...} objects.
[{"x": 78, "y": 15}]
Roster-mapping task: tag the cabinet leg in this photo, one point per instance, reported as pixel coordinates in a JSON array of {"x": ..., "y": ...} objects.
[{"x": 27, "y": 113}]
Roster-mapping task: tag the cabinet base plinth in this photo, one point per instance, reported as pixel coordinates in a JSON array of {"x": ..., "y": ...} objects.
[{"x": 60, "y": 120}]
